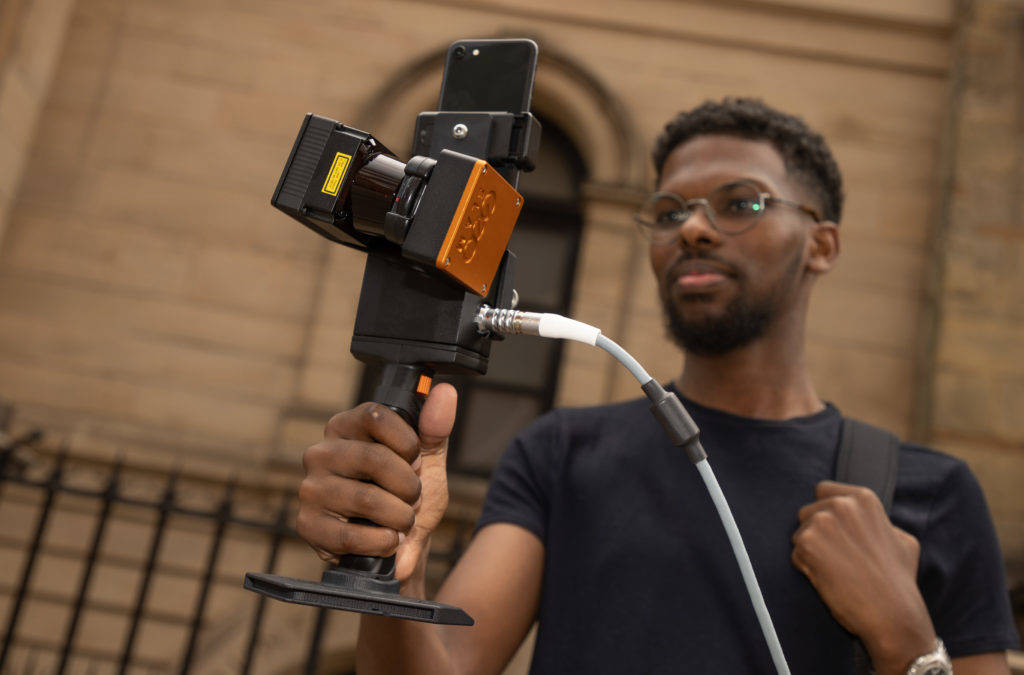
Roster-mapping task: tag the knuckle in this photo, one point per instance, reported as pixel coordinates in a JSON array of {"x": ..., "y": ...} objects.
[
  {"x": 335, "y": 425},
  {"x": 796, "y": 558},
  {"x": 303, "y": 523},
  {"x": 308, "y": 491},
  {"x": 314, "y": 457},
  {"x": 371, "y": 414},
  {"x": 866, "y": 496},
  {"x": 822, "y": 520},
  {"x": 846, "y": 505}
]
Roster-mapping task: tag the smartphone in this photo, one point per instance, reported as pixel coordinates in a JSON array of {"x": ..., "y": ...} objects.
[{"x": 491, "y": 75}]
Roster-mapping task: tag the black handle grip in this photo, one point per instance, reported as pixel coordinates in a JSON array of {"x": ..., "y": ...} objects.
[{"x": 403, "y": 389}]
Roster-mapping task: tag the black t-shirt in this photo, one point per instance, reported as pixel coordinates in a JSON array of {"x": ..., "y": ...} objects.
[{"x": 639, "y": 575}]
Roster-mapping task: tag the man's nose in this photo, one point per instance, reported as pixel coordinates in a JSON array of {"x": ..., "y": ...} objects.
[{"x": 697, "y": 230}]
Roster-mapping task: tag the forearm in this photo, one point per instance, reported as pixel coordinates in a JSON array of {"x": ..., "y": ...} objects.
[
  {"x": 388, "y": 645},
  {"x": 893, "y": 656},
  {"x": 398, "y": 646},
  {"x": 906, "y": 634}
]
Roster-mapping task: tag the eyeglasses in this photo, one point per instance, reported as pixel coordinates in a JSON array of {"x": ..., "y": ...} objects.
[{"x": 732, "y": 208}]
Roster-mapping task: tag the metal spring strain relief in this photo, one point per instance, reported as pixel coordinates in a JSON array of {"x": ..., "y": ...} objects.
[{"x": 505, "y": 321}]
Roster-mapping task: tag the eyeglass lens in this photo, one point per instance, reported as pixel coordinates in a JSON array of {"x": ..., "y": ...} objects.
[{"x": 731, "y": 208}]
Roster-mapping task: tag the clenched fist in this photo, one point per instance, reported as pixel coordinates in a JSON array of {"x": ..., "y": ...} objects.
[
  {"x": 865, "y": 569},
  {"x": 373, "y": 465}
]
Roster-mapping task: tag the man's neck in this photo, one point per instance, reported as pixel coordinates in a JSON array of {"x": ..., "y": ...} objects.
[{"x": 766, "y": 379}]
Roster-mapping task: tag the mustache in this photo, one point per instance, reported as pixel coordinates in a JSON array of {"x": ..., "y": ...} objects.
[{"x": 676, "y": 269}]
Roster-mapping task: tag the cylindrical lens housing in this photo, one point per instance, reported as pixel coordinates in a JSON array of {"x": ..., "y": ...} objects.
[{"x": 373, "y": 192}]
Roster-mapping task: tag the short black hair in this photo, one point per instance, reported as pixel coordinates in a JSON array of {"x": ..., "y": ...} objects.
[{"x": 803, "y": 150}]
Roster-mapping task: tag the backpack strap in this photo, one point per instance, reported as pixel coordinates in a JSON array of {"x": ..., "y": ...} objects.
[{"x": 867, "y": 456}]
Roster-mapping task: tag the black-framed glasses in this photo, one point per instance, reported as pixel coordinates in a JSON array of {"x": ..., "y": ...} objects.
[{"x": 732, "y": 208}]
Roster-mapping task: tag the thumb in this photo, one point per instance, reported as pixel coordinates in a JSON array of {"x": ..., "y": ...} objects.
[
  {"x": 411, "y": 554},
  {"x": 437, "y": 418}
]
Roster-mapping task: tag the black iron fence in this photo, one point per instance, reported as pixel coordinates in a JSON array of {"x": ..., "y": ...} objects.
[{"x": 65, "y": 652}]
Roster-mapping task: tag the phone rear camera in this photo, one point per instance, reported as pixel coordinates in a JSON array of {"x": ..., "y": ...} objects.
[{"x": 459, "y": 52}]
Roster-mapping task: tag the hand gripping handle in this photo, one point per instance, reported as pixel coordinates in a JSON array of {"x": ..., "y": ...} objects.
[{"x": 403, "y": 388}]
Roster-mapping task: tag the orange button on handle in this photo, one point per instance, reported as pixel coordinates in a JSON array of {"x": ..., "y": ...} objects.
[{"x": 423, "y": 387}]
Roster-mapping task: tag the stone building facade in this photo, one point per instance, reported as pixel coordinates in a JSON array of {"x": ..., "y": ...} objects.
[{"x": 154, "y": 308}]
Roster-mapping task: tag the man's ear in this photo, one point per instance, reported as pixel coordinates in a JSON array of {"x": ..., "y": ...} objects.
[{"x": 823, "y": 247}]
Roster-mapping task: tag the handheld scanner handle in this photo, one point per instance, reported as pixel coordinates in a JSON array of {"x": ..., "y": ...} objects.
[{"x": 402, "y": 388}]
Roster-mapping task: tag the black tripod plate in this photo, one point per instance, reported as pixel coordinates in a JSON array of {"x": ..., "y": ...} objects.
[{"x": 304, "y": 592}]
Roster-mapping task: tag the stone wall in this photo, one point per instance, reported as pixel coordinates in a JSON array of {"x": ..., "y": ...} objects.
[{"x": 977, "y": 409}]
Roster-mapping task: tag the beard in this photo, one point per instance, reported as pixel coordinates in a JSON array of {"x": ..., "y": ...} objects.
[{"x": 745, "y": 319}]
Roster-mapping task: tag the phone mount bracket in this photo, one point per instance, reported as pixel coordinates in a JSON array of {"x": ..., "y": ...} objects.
[{"x": 506, "y": 140}]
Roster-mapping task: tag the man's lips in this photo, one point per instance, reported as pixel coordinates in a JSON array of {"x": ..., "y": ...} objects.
[
  {"x": 699, "y": 275},
  {"x": 691, "y": 282}
]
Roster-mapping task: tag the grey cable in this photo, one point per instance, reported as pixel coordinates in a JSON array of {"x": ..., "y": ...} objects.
[
  {"x": 746, "y": 569},
  {"x": 624, "y": 357}
]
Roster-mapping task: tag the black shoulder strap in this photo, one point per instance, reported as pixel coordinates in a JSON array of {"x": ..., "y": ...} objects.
[{"x": 867, "y": 456}]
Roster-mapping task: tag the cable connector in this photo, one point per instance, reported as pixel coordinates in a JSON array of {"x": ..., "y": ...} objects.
[
  {"x": 674, "y": 419},
  {"x": 513, "y": 322}
]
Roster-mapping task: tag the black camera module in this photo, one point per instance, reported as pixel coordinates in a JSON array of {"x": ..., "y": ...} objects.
[{"x": 459, "y": 52}]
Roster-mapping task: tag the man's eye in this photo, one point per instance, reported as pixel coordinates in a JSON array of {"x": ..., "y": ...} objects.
[
  {"x": 739, "y": 207},
  {"x": 672, "y": 217}
]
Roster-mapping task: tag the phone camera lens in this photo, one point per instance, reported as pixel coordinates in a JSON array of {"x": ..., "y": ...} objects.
[{"x": 459, "y": 52}]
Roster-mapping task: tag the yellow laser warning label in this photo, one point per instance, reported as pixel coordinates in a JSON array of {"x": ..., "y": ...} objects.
[{"x": 336, "y": 174}]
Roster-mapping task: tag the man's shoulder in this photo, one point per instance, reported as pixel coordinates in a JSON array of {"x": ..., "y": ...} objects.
[
  {"x": 926, "y": 456},
  {"x": 932, "y": 484},
  {"x": 923, "y": 463}
]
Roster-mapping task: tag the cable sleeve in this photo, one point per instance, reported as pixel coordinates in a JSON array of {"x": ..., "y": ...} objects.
[
  {"x": 746, "y": 569},
  {"x": 557, "y": 326}
]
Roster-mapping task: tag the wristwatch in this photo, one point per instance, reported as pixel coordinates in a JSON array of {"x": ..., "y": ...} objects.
[{"x": 935, "y": 662}]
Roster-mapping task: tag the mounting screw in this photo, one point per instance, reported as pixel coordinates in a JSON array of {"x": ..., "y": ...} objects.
[
  {"x": 460, "y": 130},
  {"x": 447, "y": 262},
  {"x": 517, "y": 201},
  {"x": 483, "y": 289}
]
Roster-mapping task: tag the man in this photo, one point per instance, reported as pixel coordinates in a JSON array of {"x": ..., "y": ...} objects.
[{"x": 599, "y": 528}]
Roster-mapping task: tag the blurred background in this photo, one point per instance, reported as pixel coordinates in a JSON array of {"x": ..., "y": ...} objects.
[{"x": 169, "y": 343}]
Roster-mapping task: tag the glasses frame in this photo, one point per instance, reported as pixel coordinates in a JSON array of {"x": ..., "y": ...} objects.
[{"x": 765, "y": 199}]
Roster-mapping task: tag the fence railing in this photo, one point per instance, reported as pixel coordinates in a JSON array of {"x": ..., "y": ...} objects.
[{"x": 64, "y": 651}]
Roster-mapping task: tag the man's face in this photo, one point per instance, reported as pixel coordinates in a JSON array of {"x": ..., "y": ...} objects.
[{"x": 723, "y": 291}]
